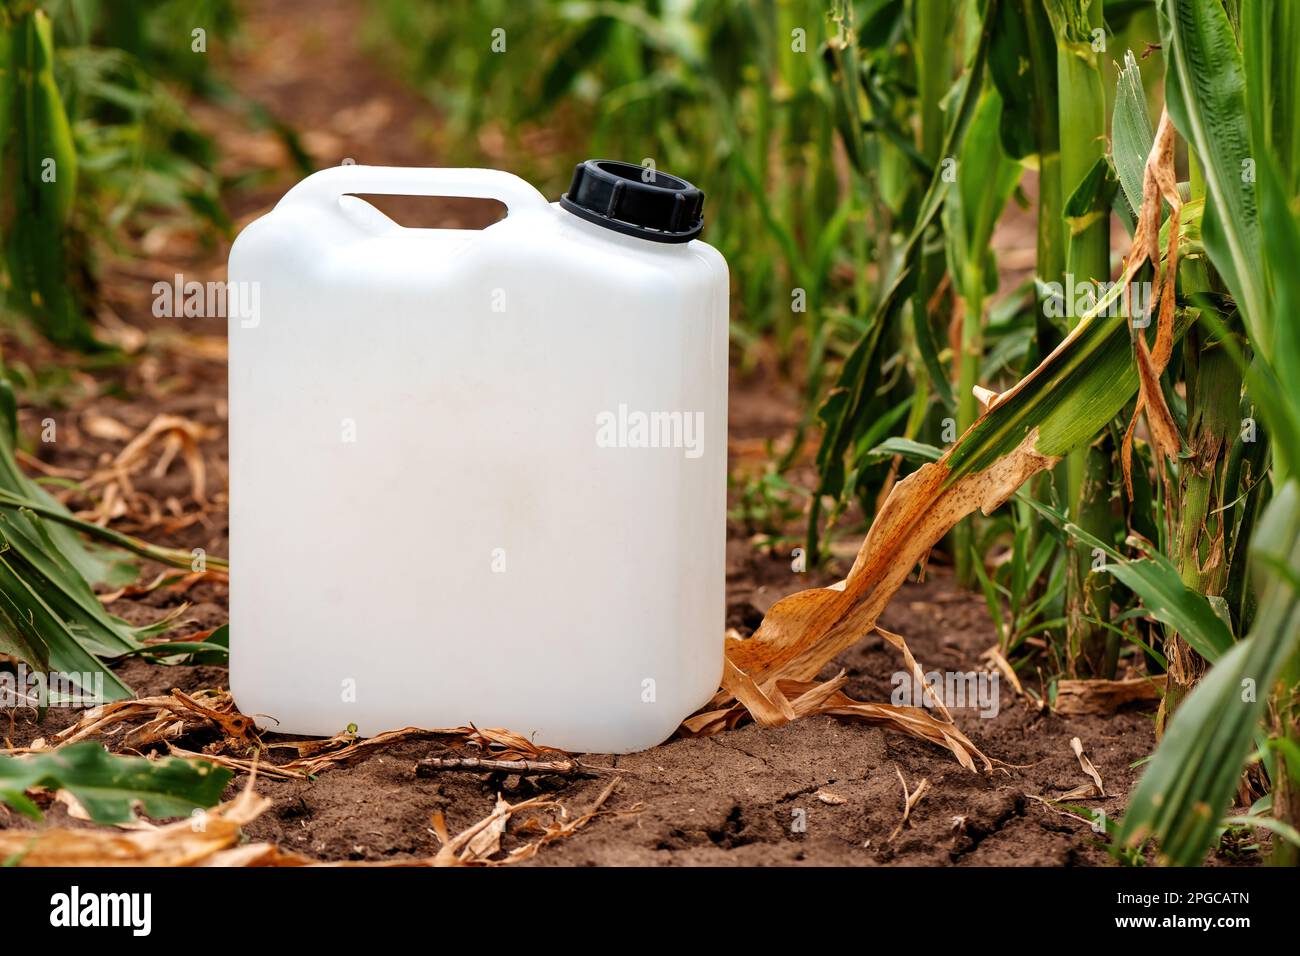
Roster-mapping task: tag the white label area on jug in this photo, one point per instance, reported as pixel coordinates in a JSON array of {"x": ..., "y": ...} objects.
[{"x": 631, "y": 428}]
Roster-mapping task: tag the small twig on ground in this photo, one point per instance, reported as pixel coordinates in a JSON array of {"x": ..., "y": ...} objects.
[
  {"x": 910, "y": 800},
  {"x": 428, "y": 766}
]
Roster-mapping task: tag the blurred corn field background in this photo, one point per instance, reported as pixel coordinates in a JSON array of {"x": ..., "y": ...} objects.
[
  {"x": 1044, "y": 242},
  {"x": 93, "y": 142}
]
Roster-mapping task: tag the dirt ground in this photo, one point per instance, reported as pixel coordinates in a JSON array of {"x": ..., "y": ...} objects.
[{"x": 818, "y": 791}]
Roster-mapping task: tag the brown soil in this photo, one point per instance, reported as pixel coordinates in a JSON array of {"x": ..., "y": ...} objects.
[
  {"x": 730, "y": 799},
  {"x": 735, "y": 798}
]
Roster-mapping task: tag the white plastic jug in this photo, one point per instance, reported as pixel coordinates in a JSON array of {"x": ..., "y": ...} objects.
[{"x": 479, "y": 476}]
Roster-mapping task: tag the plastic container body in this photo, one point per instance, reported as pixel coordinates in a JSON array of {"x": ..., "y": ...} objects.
[{"x": 476, "y": 476}]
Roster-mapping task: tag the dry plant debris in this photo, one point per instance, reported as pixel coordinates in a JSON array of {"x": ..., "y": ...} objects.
[
  {"x": 500, "y": 744},
  {"x": 430, "y": 766},
  {"x": 157, "y": 720},
  {"x": 1077, "y": 698},
  {"x": 111, "y": 485},
  {"x": 806, "y": 630},
  {"x": 995, "y": 657},
  {"x": 212, "y": 838},
  {"x": 783, "y": 700},
  {"x": 1160, "y": 182},
  {"x": 1051, "y": 805},
  {"x": 163, "y": 720},
  {"x": 172, "y": 582},
  {"x": 479, "y": 843},
  {"x": 1096, "y": 788},
  {"x": 910, "y": 799}
]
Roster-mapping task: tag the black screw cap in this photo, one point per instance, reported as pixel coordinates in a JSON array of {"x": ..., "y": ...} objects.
[{"x": 635, "y": 200}]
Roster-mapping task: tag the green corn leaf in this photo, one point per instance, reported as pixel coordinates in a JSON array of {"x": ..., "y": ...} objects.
[
  {"x": 215, "y": 649},
  {"x": 1205, "y": 90},
  {"x": 1091, "y": 199},
  {"x": 1281, "y": 253},
  {"x": 18, "y": 638},
  {"x": 1022, "y": 64},
  {"x": 39, "y": 169},
  {"x": 1068, "y": 398},
  {"x": 1276, "y": 827},
  {"x": 1172, "y": 603},
  {"x": 1156, "y": 581},
  {"x": 50, "y": 617},
  {"x": 1270, "y": 40},
  {"x": 61, "y": 520},
  {"x": 64, "y": 590},
  {"x": 24, "y": 610},
  {"x": 1131, "y": 134},
  {"x": 909, "y": 449},
  {"x": 985, "y": 181},
  {"x": 109, "y": 786},
  {"x": 98, "y": 565}
]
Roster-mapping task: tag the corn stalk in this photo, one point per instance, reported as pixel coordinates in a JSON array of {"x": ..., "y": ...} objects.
[
  {"x": 934, "y": 58},
  {"x": 1271, "y": 57},
  {"x": 1253, "y": 242},
  {"x": 38, "y": 177},
  {"x": 846, "y": 408},
  {"x": 985, "y": 180},
  {"x": 1023, "y": 65},
  {"x": 1092, "y": 648}
]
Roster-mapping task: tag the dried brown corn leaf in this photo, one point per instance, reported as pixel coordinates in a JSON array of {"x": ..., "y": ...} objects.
[
  {"x": 240, "y": 731},
  {"x": 767, "y": 706},
  {"x": 1077, "y": 746},
  {"x": 804, "y": 631},
  {"x": 566, "y": 827},
  {"x": 460, "y": 849},
  {"x": 105, "y": 428},
  {"x": 1159, "y": 183},
  {"x": 812, "y": 697},
  {"x": 487, "y": 842}
]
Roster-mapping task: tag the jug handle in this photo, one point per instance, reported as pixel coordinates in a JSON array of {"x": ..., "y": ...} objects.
[{"x": 324, "y": 188}]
